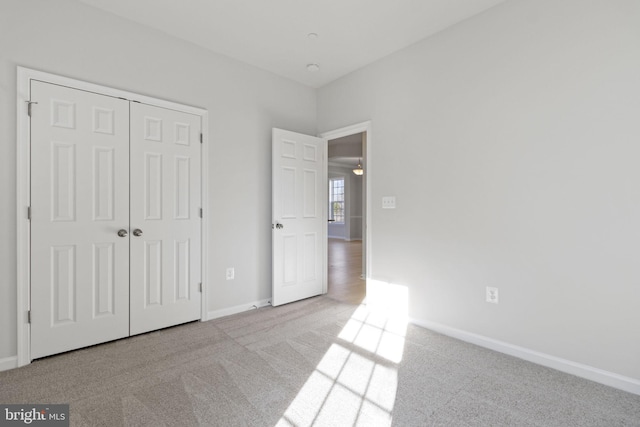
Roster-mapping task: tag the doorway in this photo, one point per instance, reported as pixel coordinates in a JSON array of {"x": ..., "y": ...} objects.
[
  {"x": 300, "y": 255},
  {"x": 347, "y": 214}
]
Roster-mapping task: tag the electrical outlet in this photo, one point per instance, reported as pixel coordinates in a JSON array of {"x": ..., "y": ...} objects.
[
  {"x": 231, "y": 273},
  {"x": 389, "y": 202},
  {"x": 492, "y": 295}
]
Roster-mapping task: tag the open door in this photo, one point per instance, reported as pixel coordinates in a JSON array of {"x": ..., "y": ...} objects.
[{"x": 299, "y": 220}]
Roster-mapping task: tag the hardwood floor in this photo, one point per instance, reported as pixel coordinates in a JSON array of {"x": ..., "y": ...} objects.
[{"x": 345, "y": 269}]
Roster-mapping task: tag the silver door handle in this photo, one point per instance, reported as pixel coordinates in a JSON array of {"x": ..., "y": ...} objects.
[
  {"x": 137, "y": 232},
  {"x": 278, "y": 226},
  {"x": 123, "y": 233}
]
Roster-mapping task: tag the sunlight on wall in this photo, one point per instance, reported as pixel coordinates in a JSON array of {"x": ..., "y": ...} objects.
[
  {"x": 388, "y": 299},
  {"x": 355, "y": 383}
]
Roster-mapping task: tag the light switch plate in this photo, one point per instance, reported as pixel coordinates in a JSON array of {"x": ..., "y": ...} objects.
[{"x": 389, "y": 202}]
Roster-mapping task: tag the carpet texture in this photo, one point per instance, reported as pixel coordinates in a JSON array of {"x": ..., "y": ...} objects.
[{"x": 314, "y": 362}]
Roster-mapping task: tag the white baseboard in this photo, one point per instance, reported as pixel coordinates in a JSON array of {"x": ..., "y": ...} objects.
[
  {"x": 7, "y": 363},
  {"x": 216, "y": 314},
  {"x": 601, "y": 376},
  {"x": 346, "y": 239}
]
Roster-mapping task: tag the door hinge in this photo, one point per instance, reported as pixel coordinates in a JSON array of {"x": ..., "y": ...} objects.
[
  {"x": 201, "y": 138},
  {"x": 29, "y": 213},
  {"x": 29, "y": 103},
  {"x": 29, "y": 316},
  {"x": 200, "y": 287},
  {"x": 200, "y": 212}
]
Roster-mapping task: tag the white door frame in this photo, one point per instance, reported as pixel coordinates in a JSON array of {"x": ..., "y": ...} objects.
[
  {"x": 351, "y": 130},
  {"x": 23, "y": 190}
]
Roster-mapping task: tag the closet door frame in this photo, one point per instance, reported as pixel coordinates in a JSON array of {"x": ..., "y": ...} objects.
[{"x": 23, "y": 188}]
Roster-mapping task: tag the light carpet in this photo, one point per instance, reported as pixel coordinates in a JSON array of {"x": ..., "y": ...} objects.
[{"x": 314, "y": 362}]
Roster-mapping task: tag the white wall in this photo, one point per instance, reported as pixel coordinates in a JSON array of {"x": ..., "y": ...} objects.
[
  {"x": 512, "y": 143},
  {"x": 244, "y": 103},
  {"x": 356, "y": 201}
]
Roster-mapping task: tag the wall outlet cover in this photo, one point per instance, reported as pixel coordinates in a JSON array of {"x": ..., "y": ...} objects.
[
  {"x": 389, "y": 202},
  {"x": 492, "y": 295}
]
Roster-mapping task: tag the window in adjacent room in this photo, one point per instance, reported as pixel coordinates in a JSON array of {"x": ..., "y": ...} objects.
[{"x": 336, "y": 200}]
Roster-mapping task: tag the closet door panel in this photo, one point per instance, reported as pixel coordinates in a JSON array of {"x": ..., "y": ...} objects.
[
  {"x": 79, "y": 202},
  {"x": 165, "y": 217}
]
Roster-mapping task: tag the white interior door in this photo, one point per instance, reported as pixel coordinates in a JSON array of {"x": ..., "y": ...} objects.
[
  {"x": 165, "y": 218},
  {"x": 299, "y": 228},
  {"x": 79, "y": 202}
]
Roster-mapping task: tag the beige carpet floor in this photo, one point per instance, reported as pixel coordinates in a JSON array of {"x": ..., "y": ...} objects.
[{"x": 315, "y": 362}]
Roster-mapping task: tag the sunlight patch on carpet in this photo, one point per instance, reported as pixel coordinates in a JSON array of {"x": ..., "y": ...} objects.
[{"x": 356, "y": 381}]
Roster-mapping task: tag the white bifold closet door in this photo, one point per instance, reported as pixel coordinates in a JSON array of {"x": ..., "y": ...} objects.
[
  {"x": 79, "y": 202},
  {"x": 115, "y": 230},
  {"x": 165, "y": 208}
]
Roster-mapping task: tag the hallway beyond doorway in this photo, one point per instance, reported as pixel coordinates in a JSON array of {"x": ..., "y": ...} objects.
[{"x": 345, "y": 270}]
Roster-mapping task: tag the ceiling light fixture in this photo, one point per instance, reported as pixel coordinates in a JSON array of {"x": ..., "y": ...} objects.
[
  {"x": 312, "y": 36},
  {"x": 358, "y": 170},
  {"x": 313, "y": 67}
]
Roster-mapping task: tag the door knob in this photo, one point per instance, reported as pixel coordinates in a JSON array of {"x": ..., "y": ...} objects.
[
  {"x": 137, "y": 232},
  {"x": 278, "y": 226},
  {"x": 122, "y": 233}
]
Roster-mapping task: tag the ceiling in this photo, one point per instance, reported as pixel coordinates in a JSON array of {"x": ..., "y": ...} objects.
[
  {"x": 346, "y": 151},
  {"x": 273, "y": 34}
]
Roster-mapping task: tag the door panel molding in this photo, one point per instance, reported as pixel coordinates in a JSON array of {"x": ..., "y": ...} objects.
[{"x": 102, "y": 124}]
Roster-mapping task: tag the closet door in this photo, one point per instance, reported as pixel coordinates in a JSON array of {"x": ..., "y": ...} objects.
[
  {"x": 165, "y": 218},
  {"x": 79, "y": 219}
]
